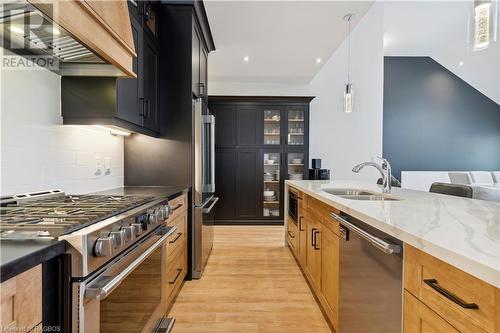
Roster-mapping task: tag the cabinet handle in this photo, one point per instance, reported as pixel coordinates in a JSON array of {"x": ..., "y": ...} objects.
[
  {"x": 313, "y": 238},
  {"x": 455, "y": 299},
  {"x": 300, "y": 223},
  {"x": 177, "y": 207},
  {"x": 179, "y": 270},
  {"x": 143, "y": 109},
  {"x": 316, "y": 232},
  {"x": 176, "y": 238},
  {"x": 291, "y": 234},
  {"x": 147, "y": 109}
]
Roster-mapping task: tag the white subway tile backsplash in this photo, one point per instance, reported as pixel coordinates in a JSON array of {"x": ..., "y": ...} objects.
[{"x": 38, "y": 152}]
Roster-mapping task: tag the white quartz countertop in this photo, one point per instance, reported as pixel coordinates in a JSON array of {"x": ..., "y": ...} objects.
[{"x": 462, "y": 232}]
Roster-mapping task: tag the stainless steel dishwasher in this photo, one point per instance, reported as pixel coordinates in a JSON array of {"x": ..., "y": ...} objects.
[{"x": 371, "y": 279}]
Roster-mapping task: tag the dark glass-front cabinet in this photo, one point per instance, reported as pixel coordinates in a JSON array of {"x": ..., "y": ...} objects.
[{"x": 260, "y": 142}]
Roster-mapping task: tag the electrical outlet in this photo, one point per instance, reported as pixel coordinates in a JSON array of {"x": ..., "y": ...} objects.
[
  {"x": 107, "y": 165},
  {"x": 98, "y": 166}
]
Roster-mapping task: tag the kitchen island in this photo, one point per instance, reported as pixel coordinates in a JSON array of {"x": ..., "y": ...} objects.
[{"x": 455, "y": 241}]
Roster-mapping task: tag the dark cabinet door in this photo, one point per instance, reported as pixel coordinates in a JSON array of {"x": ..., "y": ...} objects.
[
  {"x": 247, "y": 184},
  {"x": 225, "y": 125},
  {"x": 203, "y": 71},
  {"x": 150, "y": 113},
  {"x": 249, "y": 125},
  {"x": 225, "y": 180},
  {"x": 195, "y": 58},
  {"x": 129, "y": 105}
]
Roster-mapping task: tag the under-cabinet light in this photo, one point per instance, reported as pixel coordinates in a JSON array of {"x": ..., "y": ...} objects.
[{"x": 114, "y": 130}]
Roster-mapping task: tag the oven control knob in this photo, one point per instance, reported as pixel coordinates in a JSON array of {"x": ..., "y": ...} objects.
[
  {"x": 169, "y": 210},
  {"x": 159, "y": 213},
  {"x": 129, "y": 233},
  {"x": 118, "y": 238},
  {"x": 152, "y": 216},
  {"x": 137, "y": 228},
  {"x": 103, "y": 247}
]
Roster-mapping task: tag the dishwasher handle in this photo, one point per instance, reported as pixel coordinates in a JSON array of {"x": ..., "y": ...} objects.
[{"x": 380, "y": 244}]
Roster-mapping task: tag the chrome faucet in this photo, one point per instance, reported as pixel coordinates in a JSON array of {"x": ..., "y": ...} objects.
[{"x": 384, "y": 169}]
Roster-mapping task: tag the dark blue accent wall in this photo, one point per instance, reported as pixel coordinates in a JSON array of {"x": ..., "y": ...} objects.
[{"x": 433, "y": 120}]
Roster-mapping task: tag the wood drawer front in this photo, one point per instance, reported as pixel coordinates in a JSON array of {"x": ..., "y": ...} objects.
[
  {"x": 419, "y": 266},
  {"x": 418, "y": 318},
  {"x": 176, "y": 271},
  {"x": 292, "y": 235},
  {"x": 179, "y": 205},
  {"x": 321, "y": 212},
  {"x": 21, "y": 300},
  {"x": 178, "y": 240}
]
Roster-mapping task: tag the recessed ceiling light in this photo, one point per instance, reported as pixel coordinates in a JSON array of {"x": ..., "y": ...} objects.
[
  {"x": 318, "y": 60},
  {"x": 245, "y": 59},
  {"x": 16, "y": 30},
  {"x": 461, "y": 63}
]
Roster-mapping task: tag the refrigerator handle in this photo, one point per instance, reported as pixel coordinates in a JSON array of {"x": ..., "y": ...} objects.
[{"x": 212, "y": 152}]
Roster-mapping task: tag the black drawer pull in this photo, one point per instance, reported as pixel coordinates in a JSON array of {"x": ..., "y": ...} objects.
[
  {"x": 176, "y": 238},
  {"x": 316, "y": 232},
  {"x": 179, "y": 270},
  {"x": 313, "y": 241},
  {"x": 177, "y": 207},
  {"x": 291, "y": 234},
  {"x": 455, "y": 299}
]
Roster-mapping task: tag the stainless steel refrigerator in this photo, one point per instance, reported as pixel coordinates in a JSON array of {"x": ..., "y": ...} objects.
[{"x": 203, "y": 187}]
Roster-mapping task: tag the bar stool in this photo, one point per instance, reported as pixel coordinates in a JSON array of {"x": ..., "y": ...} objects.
[{"x": 452, "y": 189}]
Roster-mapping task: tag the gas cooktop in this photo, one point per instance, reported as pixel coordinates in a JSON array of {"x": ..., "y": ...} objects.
[{"x": 52, "y": 213}]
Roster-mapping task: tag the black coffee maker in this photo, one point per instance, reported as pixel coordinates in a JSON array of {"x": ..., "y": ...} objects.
[{"x": 316, "y": 173}]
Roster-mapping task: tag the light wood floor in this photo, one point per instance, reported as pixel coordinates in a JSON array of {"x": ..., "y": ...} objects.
[{"x": 251, "y": 284}]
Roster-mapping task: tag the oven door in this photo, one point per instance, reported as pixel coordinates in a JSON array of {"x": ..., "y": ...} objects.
[{"x": 129, "y": 294}]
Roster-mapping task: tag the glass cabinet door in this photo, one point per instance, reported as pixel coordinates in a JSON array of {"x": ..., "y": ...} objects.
[
  {"x": 272, "y": 132},
  {"x": 296, "y": 127},
  {"x": 271, "y": 195},
  {"x": 295, "y": 166}
]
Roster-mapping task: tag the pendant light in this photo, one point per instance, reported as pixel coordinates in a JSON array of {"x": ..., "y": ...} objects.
[
  {"x": 482, "y": 24},
  {"x": 348, "y": 90}
]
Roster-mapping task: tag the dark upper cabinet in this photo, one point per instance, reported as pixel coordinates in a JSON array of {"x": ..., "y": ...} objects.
[
  {"x": 127, "y": 90},
  {"x": 203, "y": 72},
  {"x": 150, "y": 112},
  {"x": 195, "y": 74},
  {"x": 131, "y": 104}
]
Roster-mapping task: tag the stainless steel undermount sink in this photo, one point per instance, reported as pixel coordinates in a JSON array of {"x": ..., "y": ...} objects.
[{"x": 354, "y": 194}]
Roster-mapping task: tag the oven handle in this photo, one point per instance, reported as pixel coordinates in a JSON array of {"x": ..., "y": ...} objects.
[{"x": 104, "y": 291}]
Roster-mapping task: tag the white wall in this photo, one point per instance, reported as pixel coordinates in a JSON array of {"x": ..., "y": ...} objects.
[
  {"x": 341, "y": 140},
  {"x": 37, "y": 152}
]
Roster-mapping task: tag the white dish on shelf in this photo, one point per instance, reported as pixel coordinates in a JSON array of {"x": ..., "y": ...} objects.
[
  {"x": 270, "y": 161},
  {"x": 268, "y": 193},
  {"x": 270, "y": 199},
  {"x": 296, "y": 161}
]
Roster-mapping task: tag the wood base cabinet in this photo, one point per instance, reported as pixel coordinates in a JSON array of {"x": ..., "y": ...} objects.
[
  {"x": 21, "y": 301},
  {"x": 176, "y": 263},
  {"x": 442, "y": 298},
  {"x": 318, "y": 252}
]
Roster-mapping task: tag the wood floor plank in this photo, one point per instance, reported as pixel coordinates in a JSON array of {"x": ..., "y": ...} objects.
[{"x": 251, "y": 284}]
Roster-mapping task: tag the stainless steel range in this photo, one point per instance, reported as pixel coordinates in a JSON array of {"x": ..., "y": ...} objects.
[{"x": 113, "y": 241}]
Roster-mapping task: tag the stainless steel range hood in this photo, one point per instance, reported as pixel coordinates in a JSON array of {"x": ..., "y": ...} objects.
[{"x": 26, "y": 31}]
